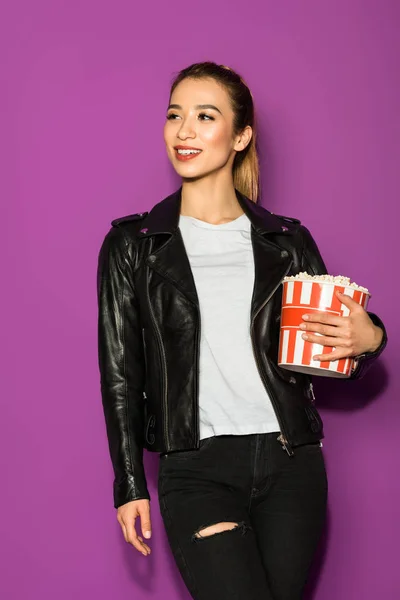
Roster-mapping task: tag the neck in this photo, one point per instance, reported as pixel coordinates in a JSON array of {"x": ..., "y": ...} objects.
[{"x": 212, "y": 199}]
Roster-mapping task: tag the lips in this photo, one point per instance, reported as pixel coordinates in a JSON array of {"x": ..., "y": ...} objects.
[{"x": 186, "y": 153}]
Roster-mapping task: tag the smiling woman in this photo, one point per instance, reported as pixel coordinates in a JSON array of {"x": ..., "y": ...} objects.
[
  {"x": 189, "y": 307},
  {"x": 218, "y": 113}
]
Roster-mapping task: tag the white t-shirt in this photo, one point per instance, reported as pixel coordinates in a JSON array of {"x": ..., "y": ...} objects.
[{"x": 232, "y": 397}]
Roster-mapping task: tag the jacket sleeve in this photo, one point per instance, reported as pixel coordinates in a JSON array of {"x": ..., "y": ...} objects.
[
  {"x": 121, "y": 364},
  {"x": 312, "y": 262}
]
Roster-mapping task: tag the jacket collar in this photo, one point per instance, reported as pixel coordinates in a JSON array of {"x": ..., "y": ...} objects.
[
  {"x": 170, "y": 261},
  {"x": 164, "y": 217}
]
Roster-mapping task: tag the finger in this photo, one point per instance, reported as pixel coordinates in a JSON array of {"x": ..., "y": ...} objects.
[
  {"x": 348, "y": 300},
  {"x": 326, "y": 340},
  {"x": 336, "y": 355},
  {"x": 133, "y": 538},
  {"x": 143, "y": 544},
  {"x": 136, "y": 543},
  {"x": 124, "y": 531},
  {"x": 333, "y": 331},
  {"x": 145, "y": 522},
  {"x": 139, "y": 537},
  {"x": 323, "y": 317}
]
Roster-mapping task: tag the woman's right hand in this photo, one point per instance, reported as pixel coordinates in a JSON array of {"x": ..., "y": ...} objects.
[{"x": 126, "y": 516}]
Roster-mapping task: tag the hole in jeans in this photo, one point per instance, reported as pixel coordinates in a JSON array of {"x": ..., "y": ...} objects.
[{"x": 218, "y": 529}]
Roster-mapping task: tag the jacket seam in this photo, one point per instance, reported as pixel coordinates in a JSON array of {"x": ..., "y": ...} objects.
[{"x": 124, "y": 363}]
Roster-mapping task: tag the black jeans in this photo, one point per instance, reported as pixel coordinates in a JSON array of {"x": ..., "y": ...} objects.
[{"x": 278, "y": 503}]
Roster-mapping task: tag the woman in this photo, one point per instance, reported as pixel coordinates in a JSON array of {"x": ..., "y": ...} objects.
[{"x": 189, "y": 306}]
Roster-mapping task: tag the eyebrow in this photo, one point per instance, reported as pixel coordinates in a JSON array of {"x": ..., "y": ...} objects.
[{"x": 197, "y": 107}]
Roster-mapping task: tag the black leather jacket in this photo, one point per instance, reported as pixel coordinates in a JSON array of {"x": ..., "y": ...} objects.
[{"x": 149, "y": 335}]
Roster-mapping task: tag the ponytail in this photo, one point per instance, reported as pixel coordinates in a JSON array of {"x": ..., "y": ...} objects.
[{"x": 246, "y": 171}]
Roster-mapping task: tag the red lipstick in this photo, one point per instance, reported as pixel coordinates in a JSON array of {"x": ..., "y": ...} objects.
[{"x": 188, "y": 152}]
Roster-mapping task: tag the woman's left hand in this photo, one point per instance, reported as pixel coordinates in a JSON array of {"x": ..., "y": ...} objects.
[{"x": 349, "y": 336}]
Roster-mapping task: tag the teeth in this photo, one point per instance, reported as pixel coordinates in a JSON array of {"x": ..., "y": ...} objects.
[{"x": 188, "y": 151}]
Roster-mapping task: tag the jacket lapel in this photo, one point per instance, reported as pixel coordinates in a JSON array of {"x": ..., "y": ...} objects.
[
  {"x": 170, "y": 260},
  {"x": 271, "y": 264}
]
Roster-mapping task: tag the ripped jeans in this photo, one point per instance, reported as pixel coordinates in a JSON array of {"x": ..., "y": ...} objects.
[{"x": 272, "y": 507}]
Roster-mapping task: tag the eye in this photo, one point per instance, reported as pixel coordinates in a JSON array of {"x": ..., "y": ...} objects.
[
  {"x": 171, "y": 116},
  {"x": 208, "y": 117}
]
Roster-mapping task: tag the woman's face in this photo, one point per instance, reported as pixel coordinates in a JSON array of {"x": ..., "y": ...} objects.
[{"x": 198, "y": 132}]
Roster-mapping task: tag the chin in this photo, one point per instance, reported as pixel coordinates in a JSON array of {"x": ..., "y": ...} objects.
[
  {"x": 195, "y": 172},
  {"x": 189, "y": 173}
]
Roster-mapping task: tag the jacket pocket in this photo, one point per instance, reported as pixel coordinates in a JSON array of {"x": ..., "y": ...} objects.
[
  {"x": 316, "y": 424},
  {"x": 150, "y": 429}
]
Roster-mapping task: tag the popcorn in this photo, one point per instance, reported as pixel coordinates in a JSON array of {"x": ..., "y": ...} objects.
[
  {"x": 334, "y": 279},
  {"x": 301, "y": 294}
]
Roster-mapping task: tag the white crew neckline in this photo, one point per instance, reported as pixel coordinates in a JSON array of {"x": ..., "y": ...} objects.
[{"x": 229, "y": 225}]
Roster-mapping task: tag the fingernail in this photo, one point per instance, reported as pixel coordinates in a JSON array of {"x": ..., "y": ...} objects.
[
  {"x": 304, "y": 336},
  {"x": 147, "y": 534},
  {"x": 316, "y": 357},
  {"x": 305, "y": 317}
]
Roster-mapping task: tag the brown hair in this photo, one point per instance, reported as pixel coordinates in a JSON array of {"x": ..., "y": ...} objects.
[{"x": 245, "y": 166}]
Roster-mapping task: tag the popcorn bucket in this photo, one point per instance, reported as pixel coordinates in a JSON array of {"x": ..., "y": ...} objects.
[{"x": 304, "y": 295}]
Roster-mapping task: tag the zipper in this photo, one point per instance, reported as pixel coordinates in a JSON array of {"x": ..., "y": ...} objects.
[
  {"x": 164, "y": 361},
  {"x": 197, "y": 379},
  {"x": 312, "y": 392},
  {"x": 282, "y": 438},
  {"x": 145, "y": 362},
  {"x": 144, "y": 350},
  {"x": 285, "y": 445},
  {"x": 166, "y": 375}
]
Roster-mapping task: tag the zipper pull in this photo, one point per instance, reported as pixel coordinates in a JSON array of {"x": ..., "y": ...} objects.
[
  {"x": 312, "y": 392},
  {"x": 285, "y": 445}
]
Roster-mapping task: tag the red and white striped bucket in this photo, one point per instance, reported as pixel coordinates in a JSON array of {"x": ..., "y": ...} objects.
[{"x": 304, "y": 296}]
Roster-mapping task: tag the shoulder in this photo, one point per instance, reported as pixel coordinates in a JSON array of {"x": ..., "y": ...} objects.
[
  {"x": 126, "y": 227},
  {"x": 285, "y": 224},
  {"x": 118, "y": 239},
  {"x": 301, "y": 235},
  {"x": 270, "y": 221},
  {"x": 286, "y": 219},
  {"x": 127, "y": 219}
]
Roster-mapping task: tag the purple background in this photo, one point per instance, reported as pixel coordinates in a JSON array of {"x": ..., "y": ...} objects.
[{"x": 84, "y": 89}]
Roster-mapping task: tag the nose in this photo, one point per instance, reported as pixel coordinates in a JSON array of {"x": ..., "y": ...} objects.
[{"x": 186, "y": 130}]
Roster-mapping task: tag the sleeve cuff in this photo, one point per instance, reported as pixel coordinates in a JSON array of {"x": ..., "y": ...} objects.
[{"x": 365, "y": 360}]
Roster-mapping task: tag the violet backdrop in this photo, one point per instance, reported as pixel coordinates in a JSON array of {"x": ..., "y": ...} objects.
[{"x": 84, "y": 89}]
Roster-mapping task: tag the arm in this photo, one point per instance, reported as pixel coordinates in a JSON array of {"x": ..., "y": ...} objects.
[
  {"x": 121, "y": 364},
  {"x": 312, "y": 262}
]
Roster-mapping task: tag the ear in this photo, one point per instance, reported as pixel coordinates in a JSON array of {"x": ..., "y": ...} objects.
[{"x": 243, "y": 139}]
